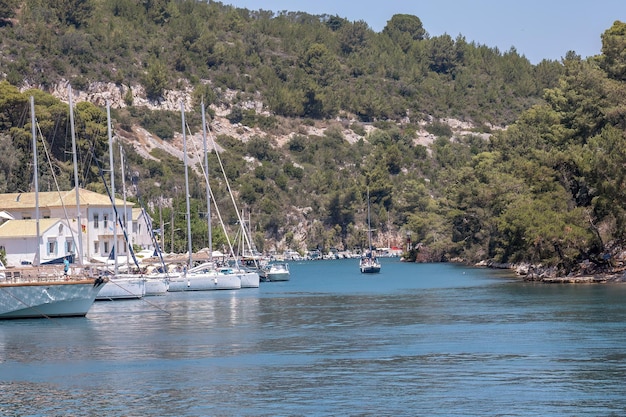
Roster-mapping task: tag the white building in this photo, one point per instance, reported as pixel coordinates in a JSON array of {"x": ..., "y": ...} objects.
[{"x": 59, "y": 222}]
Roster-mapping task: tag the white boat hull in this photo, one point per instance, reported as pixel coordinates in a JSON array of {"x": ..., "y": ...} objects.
[
  {"x": 205, "y": 282},
  {"x": 156, "y": 285},
  {"x": 123, "y": 288},
  {"x": 277, "y": 276},
  {"x": 71, "y": 298},
  {"x": 249, "y": 279}
]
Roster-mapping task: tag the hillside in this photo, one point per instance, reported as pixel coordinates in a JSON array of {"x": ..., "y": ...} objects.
[{"x": 471, "y": 153}]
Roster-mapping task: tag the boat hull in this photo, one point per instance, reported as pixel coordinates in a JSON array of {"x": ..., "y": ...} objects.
[
  {"x": 369, "y": 266},
  {"x": 205, "y": 282},
  {"x": 123, "y": 288},
  {"x": 249, "y": 279},
  {"x": 156, "y": 286},
  {"x": 370, "y": 269},
  {"x": 277, "y": 276},
  {"x": 72, "y": 298}
]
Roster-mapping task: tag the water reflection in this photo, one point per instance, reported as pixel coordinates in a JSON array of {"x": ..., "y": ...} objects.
[{"x": 454, "y": 341}]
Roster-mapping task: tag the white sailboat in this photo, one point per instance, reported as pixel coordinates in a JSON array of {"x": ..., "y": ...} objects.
[
  {"x": 120, "y": 286},
  {"x": 207, "y": 277},
  {"x": 368, "y": 263},
  {"x": 155, "y": 283},
  {"x": 45, "y": 291},
  {"x": 250, "y": 278}
]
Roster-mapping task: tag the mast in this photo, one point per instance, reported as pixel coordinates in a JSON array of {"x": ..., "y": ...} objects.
[
  {"x": 75, "y": 161},
  {"x": 125, "y": 217},
  {"x": 369, "y": 226},
  {"x": 189, "y": 246},
  {"x": 114, "y": 249},
  {"x": 208, "y": 190},
  {"x": 36, "y": 179}
]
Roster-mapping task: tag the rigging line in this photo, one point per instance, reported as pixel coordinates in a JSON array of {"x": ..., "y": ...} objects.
[
  {"x": 217, "y": 209},
  {"x": 230, "y": 192},
  {"x": 56, "y": 183},
  {"x": 120, "y": 220},
  {"x": 151, "y": 229}
]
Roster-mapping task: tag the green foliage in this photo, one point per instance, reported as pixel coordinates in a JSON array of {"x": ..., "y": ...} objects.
[
  {"x": 613, "y": 59},
  {"x": 7, "y": 9},
  {"x": 548, "y": 189},
  {"x": 155, "y": 80}
]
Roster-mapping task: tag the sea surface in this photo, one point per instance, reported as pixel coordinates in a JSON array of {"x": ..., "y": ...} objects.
[{"x": 414, "y": 340}]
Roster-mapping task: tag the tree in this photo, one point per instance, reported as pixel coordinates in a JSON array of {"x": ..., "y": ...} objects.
[
  {"x": 155, "y": 80},
  {"x": 404, "y": 29},
  {"x": 74, "y": 12},
  {"x": 613, "y": 59}
]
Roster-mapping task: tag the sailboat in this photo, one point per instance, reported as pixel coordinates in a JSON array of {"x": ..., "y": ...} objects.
[
  {"x": 45, "y": 291},
  {"x": 120, "y": 286},
  {"x": 369, "y": 263},
  {"x": 250, "y": 277},
  {"x": 205, "y": 277}
]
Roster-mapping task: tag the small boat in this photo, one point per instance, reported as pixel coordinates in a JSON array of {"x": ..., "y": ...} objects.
[
  {"x": 368, "y": 263},
  {"x": 45, "y": 291},
  {"x": 276, "y": 271}
]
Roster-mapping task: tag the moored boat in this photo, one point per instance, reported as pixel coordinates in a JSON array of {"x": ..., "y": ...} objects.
[
  {"x": 276, "y": 271},
  {"x": 205, "y": 279},
  {"x": 50, "y": 290},
  {"x": 368, "y": 264},
  {"x": 44, "y": 291},
  {"x": 120, "y": 288}
]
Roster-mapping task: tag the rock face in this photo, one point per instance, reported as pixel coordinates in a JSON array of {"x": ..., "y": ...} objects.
[{"x": 99, "y": 93}]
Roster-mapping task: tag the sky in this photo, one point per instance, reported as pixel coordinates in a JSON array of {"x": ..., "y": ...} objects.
[{"x": 537, "y": 29}]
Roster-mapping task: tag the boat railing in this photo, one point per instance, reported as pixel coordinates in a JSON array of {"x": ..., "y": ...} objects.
[{"x": 48, "y": 273}]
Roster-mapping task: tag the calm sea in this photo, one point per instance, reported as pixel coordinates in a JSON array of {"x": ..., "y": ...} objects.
[{"x": 414, "y": 340}]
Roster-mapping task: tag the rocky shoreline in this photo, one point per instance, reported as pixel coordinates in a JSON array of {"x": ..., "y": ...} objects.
[{"x": 551, "y": 275}]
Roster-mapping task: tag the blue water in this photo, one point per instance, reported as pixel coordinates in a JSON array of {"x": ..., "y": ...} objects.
[{"x": 414, "y": 340}]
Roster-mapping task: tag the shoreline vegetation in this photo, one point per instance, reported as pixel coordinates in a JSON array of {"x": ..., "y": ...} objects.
[{"x": 587, "y": 274}]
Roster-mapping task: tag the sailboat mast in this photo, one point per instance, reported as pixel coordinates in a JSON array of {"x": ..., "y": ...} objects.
[
  {"x": 125, "y": 216},
  {"x": 75, "y": 161},
  {"x": 36, "y": 179},
  {"x": 369, "y": 225},
  {"x": 114, "y": 249},
  {"x": 189, "y": 246},
  {"x": 208, "y": 189}
]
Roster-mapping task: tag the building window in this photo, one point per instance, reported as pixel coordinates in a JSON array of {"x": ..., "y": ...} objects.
[
  {"x": 52, "y": 247},
  {"x": 105, "y": 220},
  {"x": 106, "y": 247},
  {"x": 69, "y": 246},
  {"x": 96, "y": 247},
  {"x": 96, "y": 221}
]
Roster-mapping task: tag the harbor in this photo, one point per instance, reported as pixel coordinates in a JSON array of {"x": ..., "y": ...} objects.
[{"x": 415, "y": 339}]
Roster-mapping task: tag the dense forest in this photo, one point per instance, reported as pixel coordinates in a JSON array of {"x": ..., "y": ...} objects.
[{"x": 538, "y": 178}]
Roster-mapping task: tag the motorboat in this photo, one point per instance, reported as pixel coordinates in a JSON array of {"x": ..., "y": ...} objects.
[{"x": 275, "y": 271}]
